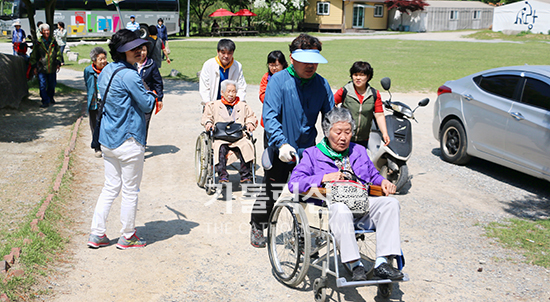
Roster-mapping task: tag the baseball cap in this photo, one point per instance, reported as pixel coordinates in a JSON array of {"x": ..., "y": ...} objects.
[
  {"x": 132, "y": 16},
  {"x": 17, "y": 23},
  {"x": 131, "y": 45},
  {"x": 308, "y": 56}
]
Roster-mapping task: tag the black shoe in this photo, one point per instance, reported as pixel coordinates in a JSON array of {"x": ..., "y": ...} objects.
[
  {"x": 52, "y": 101},
  {"x": 386, "y": 271},
  {"x": 44, "y": 105},
  {"x": 359, "y": 274}
]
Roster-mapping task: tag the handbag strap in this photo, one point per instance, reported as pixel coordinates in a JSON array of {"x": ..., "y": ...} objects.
[{"x": 102, "y": 101}]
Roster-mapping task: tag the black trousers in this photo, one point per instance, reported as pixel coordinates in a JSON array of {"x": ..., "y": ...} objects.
[
  {"x": 273, "y": 184},
  {"x": 221, "y": 167}
]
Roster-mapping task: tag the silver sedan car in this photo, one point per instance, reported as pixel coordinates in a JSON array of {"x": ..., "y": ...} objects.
[{"x": 501, "y": 115}]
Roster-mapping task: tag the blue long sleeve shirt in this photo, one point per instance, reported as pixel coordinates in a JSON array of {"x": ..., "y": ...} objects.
[
  {"x": 290, "y": 109},
  {"x": 125, "y": 105}
]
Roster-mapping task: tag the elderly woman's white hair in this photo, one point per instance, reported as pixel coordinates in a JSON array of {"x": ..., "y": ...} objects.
[
  {"x": 223, "y": 85},
  {"x": 337, "y": 114},
  {"x": 96, "y": 51},
  {"x": 43, "y": 26}
]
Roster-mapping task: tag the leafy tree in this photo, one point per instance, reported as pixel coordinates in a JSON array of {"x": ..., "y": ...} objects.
[
  {"x": 282, "y": 8},
  {"x": 199, "y": 8},
  {"x": 49, "y": 10},
  {"x": 406, "y": 6}
]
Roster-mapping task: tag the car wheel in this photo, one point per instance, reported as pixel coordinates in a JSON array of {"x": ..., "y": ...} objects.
[{"x": 453, "y": 143}]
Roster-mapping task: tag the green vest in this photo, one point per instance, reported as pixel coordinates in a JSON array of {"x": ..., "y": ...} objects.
[{"x": 361, "y": 113}]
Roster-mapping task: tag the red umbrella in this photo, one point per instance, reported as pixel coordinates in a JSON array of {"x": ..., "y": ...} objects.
[
  {"x": 245, "y": 13},
  {"x": 222, "y": 12}
]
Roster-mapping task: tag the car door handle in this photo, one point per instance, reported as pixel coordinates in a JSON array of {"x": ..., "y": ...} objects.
[
  {"x": 517, "y": 116},
  {"x": 468, "y": 97}
]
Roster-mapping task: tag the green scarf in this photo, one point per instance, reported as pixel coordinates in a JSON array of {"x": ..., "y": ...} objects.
[
  {"x": 328, "y": 151},
  {"x": 293, "y": 73}
]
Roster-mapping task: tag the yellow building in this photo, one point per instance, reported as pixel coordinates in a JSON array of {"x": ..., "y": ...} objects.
[{"x": 345, "y": 16}]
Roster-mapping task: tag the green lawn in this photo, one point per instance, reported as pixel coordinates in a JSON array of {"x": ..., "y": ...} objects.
[{"x": 412, "y": 65}]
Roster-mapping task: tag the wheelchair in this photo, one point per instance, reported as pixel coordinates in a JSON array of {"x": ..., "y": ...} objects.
[
  {"x": 299, "y": 237},
  {"x": 205, "y": 170}
]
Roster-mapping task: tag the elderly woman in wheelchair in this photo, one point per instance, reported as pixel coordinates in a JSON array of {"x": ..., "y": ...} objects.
[
  {"x": 335, "y": 159},
  {"x": 227, "y": 118}
]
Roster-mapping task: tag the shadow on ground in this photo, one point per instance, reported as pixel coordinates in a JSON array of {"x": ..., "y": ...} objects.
[
  {"x": 534, "y": 206},
  {"x": 161, "y": 230},
  {"x": 29, "y": 121}
]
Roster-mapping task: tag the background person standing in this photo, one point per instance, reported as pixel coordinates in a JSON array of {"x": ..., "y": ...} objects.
[
  {"x": 98, "y": 55},
  {"x": 17, "y": 38},
  {"x": 132, "y": 25},
  {"x": 60, "y": 34},
  {"x": 163, "y": 34},
  {"x": 46, "y": 60}
]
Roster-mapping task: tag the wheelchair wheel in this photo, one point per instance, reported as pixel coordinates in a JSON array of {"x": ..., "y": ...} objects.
[
  {"x": 202, "y": 158},
  {"x": 385, "y": 290},
  {"x": 289, "y": 243},
  {"x": 367, "y": 251}
]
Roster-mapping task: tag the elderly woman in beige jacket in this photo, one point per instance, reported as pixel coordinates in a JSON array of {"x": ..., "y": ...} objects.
[{"x": 231, "y": 108}]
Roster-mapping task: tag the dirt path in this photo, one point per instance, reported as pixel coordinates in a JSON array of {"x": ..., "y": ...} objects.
[{"x": 198, "y": 248}]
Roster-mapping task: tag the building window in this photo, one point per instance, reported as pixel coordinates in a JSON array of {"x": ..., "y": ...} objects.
[
  {"x": 477, "y": 14},
  {"x": 379, "y": 11},
  {"x": 454, "y": 15},
  {"x": 323, "y": 8}
]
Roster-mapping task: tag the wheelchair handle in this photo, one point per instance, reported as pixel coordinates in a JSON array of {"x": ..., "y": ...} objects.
[{"x": 296, "y": 157}]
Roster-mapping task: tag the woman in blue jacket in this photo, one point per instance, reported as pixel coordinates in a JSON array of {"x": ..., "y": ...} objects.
[
  {"x": 122, "y": 138},
  {"x": 91, "y": 73}
]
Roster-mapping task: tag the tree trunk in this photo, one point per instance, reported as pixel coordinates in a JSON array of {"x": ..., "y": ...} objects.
[
  {"x": 31, "y": 11},
  {"x": 50, "y": 10}
]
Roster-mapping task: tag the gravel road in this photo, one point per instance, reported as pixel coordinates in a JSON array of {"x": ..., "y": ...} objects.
[{"x": 198, "y": 248}]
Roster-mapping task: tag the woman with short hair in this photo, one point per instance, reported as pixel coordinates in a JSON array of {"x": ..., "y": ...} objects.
[
  {"x": 60, "y": 34},
  {"x": 122, "y": 138},
  {"x": 326, "y": 162},
  {"x": 98, "y": 55},
  {"x": 228, "y": 109},
  {"x": 364, "y": 102}
]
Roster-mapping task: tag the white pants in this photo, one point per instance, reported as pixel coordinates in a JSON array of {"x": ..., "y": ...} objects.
[
  {"x": 383, "y": 216},
  {"x": 123, "y": 170}
]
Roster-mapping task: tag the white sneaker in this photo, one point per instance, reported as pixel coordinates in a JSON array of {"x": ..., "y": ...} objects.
[{"x": 98, "y": 154}]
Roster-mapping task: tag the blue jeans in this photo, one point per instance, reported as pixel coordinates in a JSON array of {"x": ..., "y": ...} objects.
[
  {"x": 61, "y": 50},
  {"x": 47, "y": 82}
]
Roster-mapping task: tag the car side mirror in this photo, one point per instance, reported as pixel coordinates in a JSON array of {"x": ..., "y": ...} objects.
[{"x": 386, "y": 83}]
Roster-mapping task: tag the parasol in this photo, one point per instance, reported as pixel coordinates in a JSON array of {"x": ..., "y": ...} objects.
[
  {"x": 245, "y": 13},
  {"x": 222, "y": 12}
]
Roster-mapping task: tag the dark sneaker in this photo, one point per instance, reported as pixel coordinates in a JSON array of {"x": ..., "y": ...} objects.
[
  {"x": 132, "y": 242},
  {"x": 44, "y": 105},
  {"x": 95, "y": 241},
  {"x": 359, "y": 274},
  {"x": 257, "y": 238},
  {"x": 386, "y": 271}
]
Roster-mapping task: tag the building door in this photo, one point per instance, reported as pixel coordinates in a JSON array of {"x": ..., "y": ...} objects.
[{"x": 358, "y": 16}]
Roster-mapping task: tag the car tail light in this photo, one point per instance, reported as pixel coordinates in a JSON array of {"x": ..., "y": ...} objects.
[{"x": 443, "y": 89}]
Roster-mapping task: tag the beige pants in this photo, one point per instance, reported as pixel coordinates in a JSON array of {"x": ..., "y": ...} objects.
[{"x": 383, "y": 216}]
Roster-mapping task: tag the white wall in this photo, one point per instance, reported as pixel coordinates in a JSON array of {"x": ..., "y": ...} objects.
[{"x": 522, "y": 16}]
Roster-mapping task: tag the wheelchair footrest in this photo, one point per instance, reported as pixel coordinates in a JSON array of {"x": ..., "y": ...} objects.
[{"x": 342, "y": 282}]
